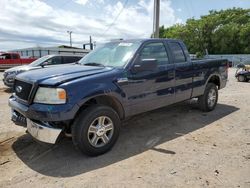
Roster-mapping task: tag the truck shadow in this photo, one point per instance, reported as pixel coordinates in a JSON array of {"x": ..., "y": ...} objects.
[{"x": 140, "y": 133}]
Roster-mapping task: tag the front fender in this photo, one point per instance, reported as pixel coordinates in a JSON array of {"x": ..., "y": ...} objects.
[{"x": 101, "y": 89}]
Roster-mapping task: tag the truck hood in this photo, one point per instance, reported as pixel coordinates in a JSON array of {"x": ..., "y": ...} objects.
[{"x": 61, "y": 74}]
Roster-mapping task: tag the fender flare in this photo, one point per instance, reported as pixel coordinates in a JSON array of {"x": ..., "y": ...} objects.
[
  {"x": 214, "y": 74},
  {"x": 118, "y": 107}
]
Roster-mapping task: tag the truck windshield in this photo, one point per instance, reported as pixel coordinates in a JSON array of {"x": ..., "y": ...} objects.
[
  {"x": 39, "y": 61},
  {"x": 114, "y": 54}
]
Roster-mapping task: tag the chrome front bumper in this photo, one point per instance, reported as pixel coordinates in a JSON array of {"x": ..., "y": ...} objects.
[{"x": 43, "y": 132}]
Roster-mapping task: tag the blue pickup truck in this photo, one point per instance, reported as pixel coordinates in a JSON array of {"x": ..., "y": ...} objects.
[{"x": 117, "y": 80}]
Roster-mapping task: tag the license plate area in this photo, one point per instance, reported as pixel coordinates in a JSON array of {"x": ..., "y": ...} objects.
[{"x": 18, "y": 118}]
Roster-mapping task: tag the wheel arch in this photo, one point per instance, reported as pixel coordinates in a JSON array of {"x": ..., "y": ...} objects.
[
  {"x": 106, "y": 100},
  {"x": 215, "y": 79}
]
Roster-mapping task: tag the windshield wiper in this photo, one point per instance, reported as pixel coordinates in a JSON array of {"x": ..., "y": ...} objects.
[{"x": 94, "y": 64}]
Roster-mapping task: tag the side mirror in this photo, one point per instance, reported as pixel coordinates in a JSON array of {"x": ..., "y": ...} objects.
[
  {"x": 145, "y": 65},
  {"x": 44, "y": 63}
]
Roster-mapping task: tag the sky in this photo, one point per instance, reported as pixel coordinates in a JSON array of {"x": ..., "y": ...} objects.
[{"x": 31, "y": 23}]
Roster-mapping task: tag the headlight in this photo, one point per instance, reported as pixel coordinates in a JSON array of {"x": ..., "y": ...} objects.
[
  {"x": 10, "y": 73},
  {"x": 50, "y": 95},
  {"x": 19, "y": 71}
]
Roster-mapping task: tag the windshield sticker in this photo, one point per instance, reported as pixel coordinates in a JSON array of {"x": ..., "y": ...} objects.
[{"x": 125, "y": 44}]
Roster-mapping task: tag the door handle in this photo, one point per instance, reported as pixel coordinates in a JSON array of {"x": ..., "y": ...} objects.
[{"x": 122, "y": 80}]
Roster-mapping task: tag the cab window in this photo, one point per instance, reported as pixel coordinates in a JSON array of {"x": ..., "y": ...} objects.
[
  {"x": 54, "y": 60},
  {"x": 15, "y": 56},
  {"x": 6, "y": 56},
  {"x": 156, "y": 51},
  {"x": 70, "y": 59}
]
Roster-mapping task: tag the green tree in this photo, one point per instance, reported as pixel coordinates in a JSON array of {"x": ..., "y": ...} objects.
[{"x": 219, "y": 32}]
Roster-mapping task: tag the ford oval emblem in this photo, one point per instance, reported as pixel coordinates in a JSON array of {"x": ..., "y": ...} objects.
[{"x": 19, "y": 89}]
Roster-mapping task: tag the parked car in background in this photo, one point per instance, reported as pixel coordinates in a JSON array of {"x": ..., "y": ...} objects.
[
  {"x": 115, "y": 81},
  {"x": 243, "y": 72},
  {"x": 43, "y": 62},
  {"x": 10, "y": 59}
]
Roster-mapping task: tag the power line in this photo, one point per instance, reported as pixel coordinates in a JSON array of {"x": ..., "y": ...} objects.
[{"x": 124, "y": 5}]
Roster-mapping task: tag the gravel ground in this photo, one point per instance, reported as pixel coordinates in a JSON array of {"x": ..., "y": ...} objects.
[
  {"x": 1, "y": 78},
  {"x": 176, "y": 146}
]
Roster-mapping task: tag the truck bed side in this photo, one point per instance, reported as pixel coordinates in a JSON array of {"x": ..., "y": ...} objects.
[{"x": 207, "y": 70}]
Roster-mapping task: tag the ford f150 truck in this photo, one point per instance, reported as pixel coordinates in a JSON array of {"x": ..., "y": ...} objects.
[
  {"x": 10, "y": 59},
  {"x": 117, "y": 80}
]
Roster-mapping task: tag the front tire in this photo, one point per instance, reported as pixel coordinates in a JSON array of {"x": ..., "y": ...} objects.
[
  {"x": 209, "y": 99},
  {"x": 96, "y": 130}
]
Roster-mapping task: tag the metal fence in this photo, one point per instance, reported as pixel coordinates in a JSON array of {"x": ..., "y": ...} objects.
[{"x": 234, "y": 58}]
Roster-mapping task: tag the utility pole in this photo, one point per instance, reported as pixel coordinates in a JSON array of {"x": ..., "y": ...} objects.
[
  {"x": 156, "y": 19},
  {"x": 70, "y": 39},
  {"x": 90, "y": 43}
]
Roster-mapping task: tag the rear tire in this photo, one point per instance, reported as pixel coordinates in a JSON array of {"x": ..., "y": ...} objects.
[
  {"x": 96, "y": 130},
  {"x": 208, "y": 100},
  {"x": 241, "y": 78}
]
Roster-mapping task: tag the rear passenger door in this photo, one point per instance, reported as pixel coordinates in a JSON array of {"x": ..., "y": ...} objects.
[{"x": 183, "y": 71}]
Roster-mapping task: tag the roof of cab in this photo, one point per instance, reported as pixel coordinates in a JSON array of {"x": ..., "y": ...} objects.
[
  {"x": 144, "y": 40},
  {"x": 68, "y": 55}
]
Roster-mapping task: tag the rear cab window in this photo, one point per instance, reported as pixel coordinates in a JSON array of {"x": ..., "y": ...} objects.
[
  {"x": 70, "y": 59},
  {"x": 178, "y": 53}
]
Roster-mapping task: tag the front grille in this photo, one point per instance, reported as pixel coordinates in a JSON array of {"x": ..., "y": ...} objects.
[{"x": 22, "y": 89}]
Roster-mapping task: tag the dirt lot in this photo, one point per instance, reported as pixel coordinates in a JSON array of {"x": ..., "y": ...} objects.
[{"x": 176, "y": 146}]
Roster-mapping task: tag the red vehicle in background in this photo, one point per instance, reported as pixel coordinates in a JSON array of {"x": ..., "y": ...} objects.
[{"x": 10, "y": 59}]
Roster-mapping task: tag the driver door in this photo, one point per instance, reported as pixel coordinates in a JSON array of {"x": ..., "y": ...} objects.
[{"x": 148, "y": 90}]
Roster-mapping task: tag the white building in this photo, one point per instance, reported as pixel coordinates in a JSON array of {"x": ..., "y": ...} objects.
[{"x": 37, "y": 52}]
